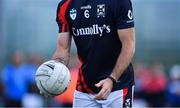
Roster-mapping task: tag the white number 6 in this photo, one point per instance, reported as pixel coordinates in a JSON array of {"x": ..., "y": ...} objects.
[{"x": 86, "y": 14}]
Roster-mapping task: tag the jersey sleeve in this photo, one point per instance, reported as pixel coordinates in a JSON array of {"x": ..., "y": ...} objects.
[
  {"x": 123, "y": 14},
  {"x": 61, "y": 17}
]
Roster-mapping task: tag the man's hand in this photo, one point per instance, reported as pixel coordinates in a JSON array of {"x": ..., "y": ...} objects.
[{"x": 106, "y": 87}]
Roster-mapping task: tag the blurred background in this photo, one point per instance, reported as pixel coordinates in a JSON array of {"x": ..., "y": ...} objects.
[{"x": 28, "y": 37}]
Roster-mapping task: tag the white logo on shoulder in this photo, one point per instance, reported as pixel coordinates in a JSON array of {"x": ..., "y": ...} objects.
[
  {"x": 101, "y": 10},
  {"x": 73, "y": 14},
  {"x": 130, "y": 14}
]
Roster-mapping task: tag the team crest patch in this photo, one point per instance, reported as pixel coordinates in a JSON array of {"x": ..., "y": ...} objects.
[
  {"x": 101, "y": 10},
  {"x": 73, "y": 14}
]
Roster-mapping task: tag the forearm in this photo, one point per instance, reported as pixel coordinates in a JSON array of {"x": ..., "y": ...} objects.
[
  {"x": 127, "y": 38},
  {"x": 62, "y": 52},
  {"x": 124, "y": 59}
]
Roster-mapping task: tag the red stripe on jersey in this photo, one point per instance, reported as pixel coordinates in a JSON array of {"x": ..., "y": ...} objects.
[
  {"x": 125, "y": 92},
  {"x": 62, "y": 14},
  {"x": 84, "y": 84},
  {"x": 79, "y": 86},
  {"x": 81, "y": 79}
]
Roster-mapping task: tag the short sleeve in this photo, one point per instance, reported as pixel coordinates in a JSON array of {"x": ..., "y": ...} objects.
[
  {"x": 61, "y": 17},
  {"x": 123, "y": 13}
]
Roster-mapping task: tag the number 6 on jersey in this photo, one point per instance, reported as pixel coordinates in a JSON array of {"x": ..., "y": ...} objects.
[{"x": 86, "y": 14}]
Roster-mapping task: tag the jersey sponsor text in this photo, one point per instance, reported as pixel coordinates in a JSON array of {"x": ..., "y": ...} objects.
[{"x": 93, "y": 30}]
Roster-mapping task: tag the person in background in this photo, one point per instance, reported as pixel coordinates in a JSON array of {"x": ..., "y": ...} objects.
[
  {"x": 33, "y": 62},
  {"x": 174, "y": 87},
  {"x": 14, "y": 81},
  {"x": 154, "y": 85},
  {"x": 141, "y": 71},
  {"x": 32, "y": 97}
]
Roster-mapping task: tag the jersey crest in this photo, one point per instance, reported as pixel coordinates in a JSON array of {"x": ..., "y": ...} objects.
[{"x": 73, "y": 13}]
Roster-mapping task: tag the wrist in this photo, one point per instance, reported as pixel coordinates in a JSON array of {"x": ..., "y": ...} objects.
[
  {"x": 61, "y": 61},
  {"x": 112, "y": 79},
  {"x": 114, "y": 76}
]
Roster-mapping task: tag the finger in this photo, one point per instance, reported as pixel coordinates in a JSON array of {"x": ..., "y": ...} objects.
[
  {"x": 103, "y": 97},
  {"x": 106, "y": 94},
  {"x": 99, "y": 84},
  {"x": 101, "y": 94}
]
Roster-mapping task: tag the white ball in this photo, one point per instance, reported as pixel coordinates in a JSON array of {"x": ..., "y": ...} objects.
[{"x": 52, "y": 78}]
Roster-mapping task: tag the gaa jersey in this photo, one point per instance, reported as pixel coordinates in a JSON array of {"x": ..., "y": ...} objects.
[{"x": 93, "y": 25}]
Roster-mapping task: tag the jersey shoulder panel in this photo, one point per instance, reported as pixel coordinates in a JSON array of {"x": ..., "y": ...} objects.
[
  {"x": 61, "y": 16},
  {"x": 123, "y": 13}
]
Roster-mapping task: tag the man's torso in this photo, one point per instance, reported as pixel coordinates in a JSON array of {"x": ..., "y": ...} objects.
[{"x": 92, "y": 24}]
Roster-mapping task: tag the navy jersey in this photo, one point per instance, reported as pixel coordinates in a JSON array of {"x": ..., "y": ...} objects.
[{"x": 94, "y": 25}]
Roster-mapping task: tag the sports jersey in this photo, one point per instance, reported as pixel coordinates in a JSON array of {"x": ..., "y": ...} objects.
[{"x": 93, "y": 25}]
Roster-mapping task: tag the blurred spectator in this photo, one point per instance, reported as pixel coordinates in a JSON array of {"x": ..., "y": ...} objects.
[
  {"x": 151, "y": 85},
  {"x": 33, "y": 62},
  {"x": 14, "y": 81},
  {"x": 140, "y": 72},
  {"x": 32, "y": 97},
  {"x": 174, "y": 87},
  {"x": 154, "y": 86}
]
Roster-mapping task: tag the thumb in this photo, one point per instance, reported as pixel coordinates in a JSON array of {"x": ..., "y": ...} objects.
[{"x": 99, "y": 84}]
